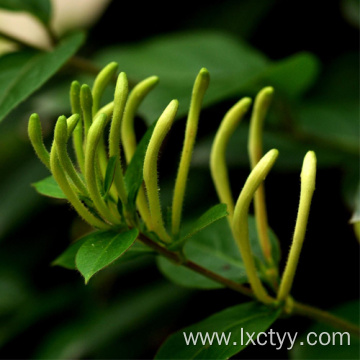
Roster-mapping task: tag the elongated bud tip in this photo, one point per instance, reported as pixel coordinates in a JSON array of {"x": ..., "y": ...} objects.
[
  {"x": 75, "y": 87},
  {"x": 99, "y": 122},
  {"x": 265, "y": 95},
  {"x": 272, "y": 155},
  {"x": 85, "y": 93},
  {"x": 172, "y": 108},
  {"x": 113, "y": 66},
  {"x": 244, "y": 103},
  {"x": 61, "y": 130},
  {"x": 267, "y": 161},
  {"x": 153, "y": 80},
  {"x": 204, "y": 78},
  {"x": 167, "y": 117},
  {"x": 268, "y": 91},
  {"x": 71, "y": 123},
  {"x": 204, "y": 72},
  {"x": 34, "y": 128},
  {"x": 308, "y": 171},
  {"x": 121, "y": 84}
]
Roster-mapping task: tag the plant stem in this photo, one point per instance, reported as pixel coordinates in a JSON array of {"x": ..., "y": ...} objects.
[
  {"x": 175, "y": 257},
  {"x": 325, "y": 317},
  {"x": 308, "y": 311}
]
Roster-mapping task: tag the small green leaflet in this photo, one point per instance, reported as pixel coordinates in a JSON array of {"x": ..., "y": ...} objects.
[
  {"x": 215, "y": 249},
  {"x": 250, "y": 317},
  {"x": 49, "y": 187},
  {"x": 134, "y": 172},
  {"x": 67, "y": 258},
  {"x": 215, "y": 213},
  {"x": 101, "y": 249},
  {"x": 41, "y": 9},
  {"x": 23, "y": 72},
  {"x": 109, "y": 175}
]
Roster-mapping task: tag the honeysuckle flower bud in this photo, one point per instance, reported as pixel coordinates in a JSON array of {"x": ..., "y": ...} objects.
[
  {"x": 261, "y": 105},
  {"x": 120, "y": 97},
  {"x": 36, "y": 138},
  {"x": 218, "y": 166},
  {"x": 101, "y": 82},
  {"x": 61, "y": 137},
  {"x": 150, "y": 169},
  {"x": 200, "y": 86},
  {"x": 137, "y": 95},
  {"x": 240, "y": 227},
  {"x": 86, "y": 102},
  {"x": 78, "y": 131},
  {"x": 60, "y": 177},
  {"x": 95, "y": 134},
  {"x": 308, "y": 176},
  {"x": 71, "y": 122}
]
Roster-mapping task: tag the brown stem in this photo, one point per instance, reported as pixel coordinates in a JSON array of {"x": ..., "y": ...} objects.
[
  {"x": 298, "y": 308},
  {"x": 175, "y": 257},
  {"x": 325, "y": 317}
]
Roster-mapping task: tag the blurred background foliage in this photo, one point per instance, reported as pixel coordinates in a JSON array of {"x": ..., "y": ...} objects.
[{"x": 307, "y": 50}]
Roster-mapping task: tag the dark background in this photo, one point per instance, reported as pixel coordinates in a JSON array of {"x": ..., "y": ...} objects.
[{"x": 53, "y": 300}]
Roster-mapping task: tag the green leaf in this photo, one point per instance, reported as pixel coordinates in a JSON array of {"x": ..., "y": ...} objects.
[
  {"x": 81, "y": 337},
  {"x": 18, "y": 202},
  {"x": 134, "y": 172},
  {"x": 250, "y": 317},
  {"x": 292, "y": 151},
  {"x": 177, "y": 58},
  {"x": 215, "y": 249},
  {"x": 331, "y": 116},
  {"x": 302, "y": 350},
  {"x": 335, "y": 122},
  {"x": 49, "y": 187},
  {"x": 22, "y": 73},
  {"x": 109, "y": 175},
  {"x": 67, "y": 258},
  {"x": 293, "y": 75},
  {"x": 39, "y": 8},
  {"x": 101, "y": 249},
  {"x": 215, "y": 213}
]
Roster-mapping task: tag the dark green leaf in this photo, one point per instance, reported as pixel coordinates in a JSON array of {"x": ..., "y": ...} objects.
[
  {"x": 101, "y": 249},
  {"x": 335, "y": 123},
  {"x": 176, "y": 59},
  {"x": 292, "y": 151},
  {"x": 128, "y": 314},
  {"x": 39, "y": 8},
  {"x": 67, "y": 258},
  {"x": 215, "y": 249},
  {"x": 250, "y": 317},
  {"x": 134, "y": 172},
  {"x": 17, "y": 199},
  {"x": 49, "y": 187},
  {"x": 293, "y": 75},
  {"x": 215, "y": 213},
  {"x": 22, "y": 73},
  {"x": 109, "y": 175},
  {"x": 350, "y": 349}
]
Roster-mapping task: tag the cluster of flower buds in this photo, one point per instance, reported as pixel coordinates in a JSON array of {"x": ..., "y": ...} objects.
[{"x": 96, "y": 187}]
